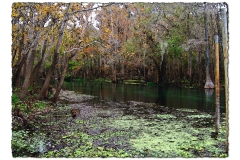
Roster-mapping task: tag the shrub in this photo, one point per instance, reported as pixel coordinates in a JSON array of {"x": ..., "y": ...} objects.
[
  {"x": 15, "y": 98},
  {"x": 40, "y": 104}
]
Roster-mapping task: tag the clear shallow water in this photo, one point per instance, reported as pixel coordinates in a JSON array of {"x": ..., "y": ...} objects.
[{"x": 173, "y": 97}]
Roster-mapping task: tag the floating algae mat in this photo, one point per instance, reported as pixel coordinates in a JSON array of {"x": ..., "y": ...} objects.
[
  {"x": 112, "y": 129},
  {"x": 168, "y": 135}
]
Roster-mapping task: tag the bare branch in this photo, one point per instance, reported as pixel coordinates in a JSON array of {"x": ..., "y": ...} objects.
[
  {"x": 89, "y": 9},
  {"x": 83, "y": 47}
]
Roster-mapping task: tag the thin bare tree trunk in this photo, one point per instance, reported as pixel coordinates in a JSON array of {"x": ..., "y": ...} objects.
[{"x": 217, "y": 86}]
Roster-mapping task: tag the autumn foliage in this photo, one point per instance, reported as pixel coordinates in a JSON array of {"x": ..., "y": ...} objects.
[{"x": 154, "y": 42}]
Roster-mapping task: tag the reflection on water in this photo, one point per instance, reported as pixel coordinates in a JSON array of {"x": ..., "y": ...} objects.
[
  {"x": 209, "y": 92},
  {"x": 167, "y": 96}
]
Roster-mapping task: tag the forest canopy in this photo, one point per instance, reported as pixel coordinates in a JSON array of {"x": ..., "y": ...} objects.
[{"x": 163, "y": 43}]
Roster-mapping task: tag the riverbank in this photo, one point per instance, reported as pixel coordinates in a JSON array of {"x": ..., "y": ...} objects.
[
  {"x": 183, "y": 83},
  {"x": 66, "y": 96},
  {"x": 114, "y": 129}
]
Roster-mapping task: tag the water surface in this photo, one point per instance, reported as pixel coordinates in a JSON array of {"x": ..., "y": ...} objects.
[{"x": 173, "y": 97}]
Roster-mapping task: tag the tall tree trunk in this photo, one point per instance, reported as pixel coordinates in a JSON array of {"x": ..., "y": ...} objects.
[
  {"x": 14, "y": 53},
  {"x": 19, "y": 47},
  {"x": 46, "y": 84},
  {"x": 163, "y": 71},
  {"x": 217, "y": 86},
  {"x": 190, "y": 66},
  {"x": 199, "y": 70},
  {"x": 149, "y": 73},
  {"x": 212, "y": 30},
  {"x": 16, "y": 71},
  {"x": 189, "y": 53},
  {"x": 114, "y": 73},
  {"x": 122, "y": 67},
  {"x": 36, "y": 69},
  {"x": 209, "y": 83},
  {"x": 219, "y": 33},
  {"x": 41, "y": 69},
  {"x": 100, "y": 65},
  {"x": 144, "y": 64},
  {"x": 159, "y": 77},
  {"x": 29, "y": 66},
  {"x": 132, "y": 70},
  {"x": 225, "y": 53},
  {"x": 55, "y": 97}
]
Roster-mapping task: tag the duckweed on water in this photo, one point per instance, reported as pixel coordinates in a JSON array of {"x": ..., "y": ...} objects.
[
  {"x": 102, "y": 131},
  {"x": 199, "y": 116},
  {"x": 165, "y": 116},
  {"x": 187, "y": 110}
]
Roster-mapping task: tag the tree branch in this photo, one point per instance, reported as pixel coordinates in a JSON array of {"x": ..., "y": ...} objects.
[
  {"x": 84, "y": 10},
  {"x": 82, "y": 47}
]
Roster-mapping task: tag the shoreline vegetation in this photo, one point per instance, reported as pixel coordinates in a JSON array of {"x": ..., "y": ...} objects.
[
  {"x": 184, "y": 83},
  {"x": 113, "y": 129}
]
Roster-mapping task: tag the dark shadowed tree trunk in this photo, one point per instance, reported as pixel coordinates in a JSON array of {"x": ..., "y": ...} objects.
[
  {"x": 163, "y": 71},
  {"x": 55, "y": 97},
  {"x": 219, "y": 33},
  {"x": 16, "y": 72},
  {"x": 189, "y": 53},
  {"x": 46, "y": 84},
  {"x": 114, "y": 73},
  {"x": 158, "y": 68},
  {"x": 36, "y": 69},
  {"x": 63, "y": 74}
]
